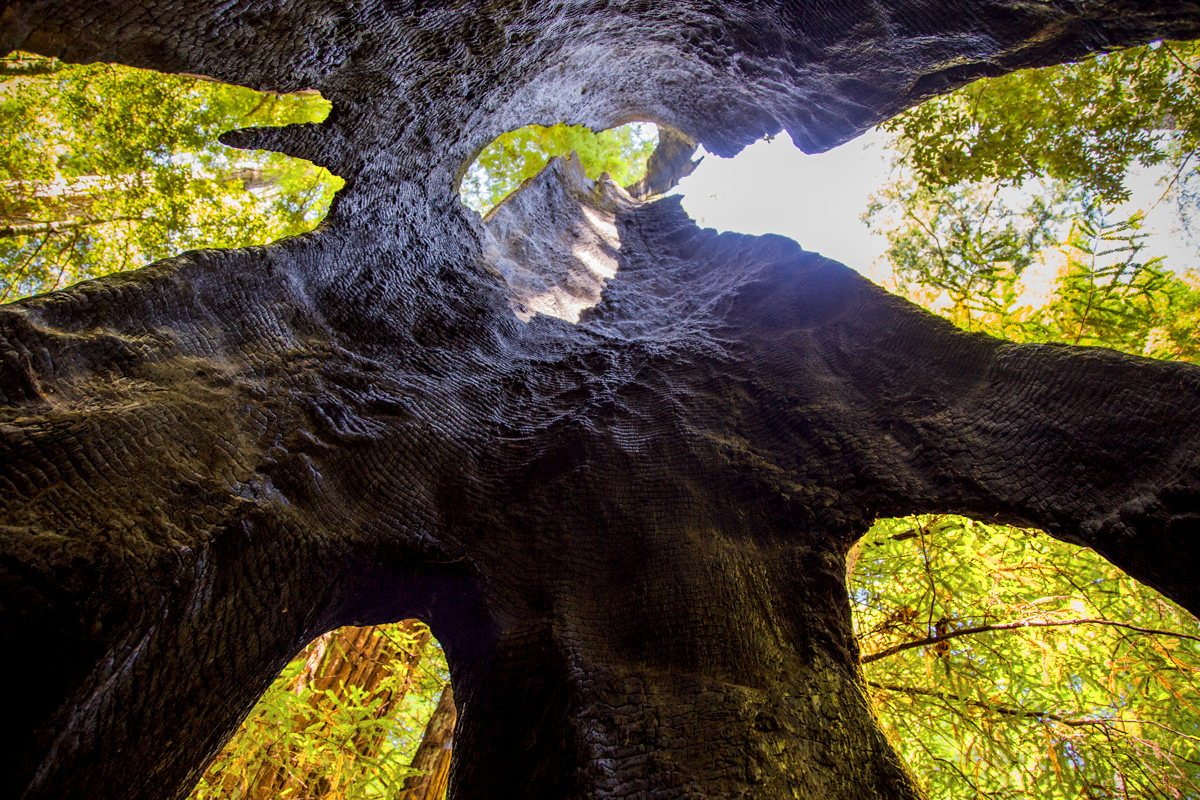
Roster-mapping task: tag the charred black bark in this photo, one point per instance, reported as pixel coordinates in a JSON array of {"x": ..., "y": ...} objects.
[{"x": 628, "y": 532}]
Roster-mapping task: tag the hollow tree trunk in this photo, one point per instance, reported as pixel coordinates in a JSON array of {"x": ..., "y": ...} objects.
[{"x": 628, "y": 533}]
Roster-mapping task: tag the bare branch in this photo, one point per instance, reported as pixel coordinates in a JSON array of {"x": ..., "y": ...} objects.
[
  {"x": 1043, "y": 716},
  {"x": 1008, "y": 626}
]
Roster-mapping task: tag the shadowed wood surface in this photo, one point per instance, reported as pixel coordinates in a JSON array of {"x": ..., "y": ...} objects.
[{"x": 628, "y": 530}]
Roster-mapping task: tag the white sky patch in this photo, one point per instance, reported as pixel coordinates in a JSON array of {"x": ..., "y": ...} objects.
[
  {"x": 819, "y": 200},
  {"x": 774, "y": 187}
]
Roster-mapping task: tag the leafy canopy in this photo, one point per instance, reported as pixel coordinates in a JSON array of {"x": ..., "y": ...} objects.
[
  {"x": 1085, "y": 124},
  {"x": 514, "y": 157},
  {"x": 1003, "y": 663},
  {"x": 1002, "y": 213},
  {"x": 105, "y": 168}
]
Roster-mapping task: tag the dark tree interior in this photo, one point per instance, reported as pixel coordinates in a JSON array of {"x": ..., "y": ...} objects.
[{"x": 628, "y": 533}]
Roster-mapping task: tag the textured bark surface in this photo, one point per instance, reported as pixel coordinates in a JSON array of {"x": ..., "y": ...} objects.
[
  {"x": 629, "y": 531},
  {"x": 670, "y": 163}
]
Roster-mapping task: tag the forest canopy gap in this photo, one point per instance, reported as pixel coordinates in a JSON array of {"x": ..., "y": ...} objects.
[{"x": 105, "y": 168}]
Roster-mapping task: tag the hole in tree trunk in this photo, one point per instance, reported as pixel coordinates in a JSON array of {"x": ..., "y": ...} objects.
[
  {"x": 107, "y": 168},
  {"x": 1032, "y": 665},
  {"x": 517, "y": 156}
]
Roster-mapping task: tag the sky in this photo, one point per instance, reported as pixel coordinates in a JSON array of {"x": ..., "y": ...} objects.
[{"x": 818, "y": 200}]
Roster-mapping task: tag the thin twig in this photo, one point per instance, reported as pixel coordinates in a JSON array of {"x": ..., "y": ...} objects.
[
  {"x": 1009, "y": 711},
  {"x": 1008, "y": 626}
]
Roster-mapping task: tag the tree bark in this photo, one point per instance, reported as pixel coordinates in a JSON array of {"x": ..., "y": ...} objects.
[
  {"x": 628, "y": 533},
  {"x": 670, "y": 163},
  {"x": 432, "y": 759}
]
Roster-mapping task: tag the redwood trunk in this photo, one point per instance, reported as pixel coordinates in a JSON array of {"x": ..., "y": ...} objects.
[
  {"x": 629, "y": 533},
  {"x": 432, "y": 759}
]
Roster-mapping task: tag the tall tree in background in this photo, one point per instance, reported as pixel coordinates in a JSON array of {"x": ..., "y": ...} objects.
[
  {"x": 337, "y": 722},
  {"x": 431, "y": 762}
]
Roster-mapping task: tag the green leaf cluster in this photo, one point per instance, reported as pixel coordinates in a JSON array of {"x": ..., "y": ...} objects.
[
  {"x": 1090, "y": 691},
  {"x": 311, "y": 733},
  {"x": 1003, "y": 663},
  {"x": 519, "y": 155},
  {"x": 105, "y": 168},
  {"x": 1036, "y": 267},
  {"x": 1085, "y": 124},
  {"x": 1000, "y": 213}
]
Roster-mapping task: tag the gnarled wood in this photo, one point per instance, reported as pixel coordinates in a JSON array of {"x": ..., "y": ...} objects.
[{"x": 629, "y": 532}]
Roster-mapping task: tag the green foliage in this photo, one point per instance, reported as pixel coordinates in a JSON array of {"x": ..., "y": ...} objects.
[
  {"x": 966, "y": 245},
  {"x": 1000, "y": 214},
  {"x": 1011, "y": 665},
  {"x": 1031, "y": 267},
  {"x": 519, "y": 155},
  {"x": 1107, "y": 294},
  {"x": 306, "y": 731},
  {"x": 1085, "y": 123},
  {"x": 104, "y": 168}
]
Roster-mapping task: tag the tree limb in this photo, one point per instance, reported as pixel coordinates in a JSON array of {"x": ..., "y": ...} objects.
[
  {"x": 1008, "y": 626},
  {"x": 1009, "y": 711}
]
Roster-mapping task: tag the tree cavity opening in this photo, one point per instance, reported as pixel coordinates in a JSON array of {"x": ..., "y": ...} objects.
[
  {"x": 1033, "y": 666},
  {"x": 551, "y": 197},
  {"x": 361, "y": 712},
  {"x": 515, "y": 157},
  {"x": 105, "y": 168}
]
